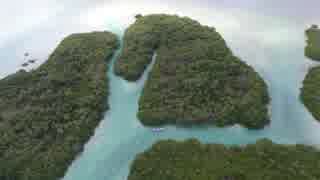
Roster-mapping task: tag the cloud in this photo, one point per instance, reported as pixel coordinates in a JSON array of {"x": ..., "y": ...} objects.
[
  {"x": 17, "y": 16},
  {"x": 38, "y": 25}
]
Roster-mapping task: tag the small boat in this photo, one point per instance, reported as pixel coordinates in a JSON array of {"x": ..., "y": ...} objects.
[
  {"x": 24, "y": 64},
  {"x": 32, "y": 60},
  {"x": 158, "y": 129}
]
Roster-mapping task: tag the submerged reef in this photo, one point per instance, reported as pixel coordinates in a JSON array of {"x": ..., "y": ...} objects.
[
  {"x": 195, "y": 78},
  {"x": 47, "y": 115},
  {"x": 172, "y": 160}
]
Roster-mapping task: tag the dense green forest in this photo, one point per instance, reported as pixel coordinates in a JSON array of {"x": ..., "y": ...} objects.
[
  {"x": 47, "y": 115},
  {"x": 310, "y": 94},
  {"x": 191, "y": 160},
  {"x": 312, "y": 49},
  {"x": 195, "y": 79}
]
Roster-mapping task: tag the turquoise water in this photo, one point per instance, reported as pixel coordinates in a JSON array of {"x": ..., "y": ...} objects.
[{"x": 120, "y": 136}]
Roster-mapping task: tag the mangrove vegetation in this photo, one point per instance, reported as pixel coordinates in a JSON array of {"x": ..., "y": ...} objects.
[
  {"x": 312, "y": 49},
  {"x": 47, "y": 115},
  {"x": 195, "y": 79},
  {"x": 191, "y": 160},
  {"x": 310, "y": 94}
]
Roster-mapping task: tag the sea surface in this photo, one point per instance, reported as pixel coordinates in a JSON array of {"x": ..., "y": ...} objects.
[{"x": 270, "y": 41}]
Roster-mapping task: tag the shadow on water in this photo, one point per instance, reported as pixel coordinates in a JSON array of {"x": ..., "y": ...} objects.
[{"x": 120, "y": 136}]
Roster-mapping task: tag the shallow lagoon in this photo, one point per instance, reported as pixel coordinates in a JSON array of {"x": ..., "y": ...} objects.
[{"x": 272, "y": 45}]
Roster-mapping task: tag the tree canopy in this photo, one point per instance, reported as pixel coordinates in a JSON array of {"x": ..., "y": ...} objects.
[
  {"x": 310, "y": 94},
  {"x": 195, "y": 79},
  {"x": 191, "y": 160},
  {"x": 47, "y": 115},
  {"x": 312, "y": 49}
]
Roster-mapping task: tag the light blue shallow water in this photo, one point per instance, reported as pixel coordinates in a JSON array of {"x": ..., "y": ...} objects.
[{"x": 120, "y": 136}]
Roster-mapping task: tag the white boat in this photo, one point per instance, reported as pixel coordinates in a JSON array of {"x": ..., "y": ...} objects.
[{"x": 157, "y": 129}]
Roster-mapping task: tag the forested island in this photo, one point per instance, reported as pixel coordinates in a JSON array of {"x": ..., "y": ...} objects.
[
  {"x": 47, "y": 115},
  {"x": 312, "y": 49},
  {"x": 195, "y": 79},
  {"x": 172, "y": 160},
  {"x": 310, "y": 93}
]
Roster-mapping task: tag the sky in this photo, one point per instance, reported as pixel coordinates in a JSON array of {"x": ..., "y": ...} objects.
[
  {"x": 18, "y": 16},
  {"x": 37, "y": 26}
]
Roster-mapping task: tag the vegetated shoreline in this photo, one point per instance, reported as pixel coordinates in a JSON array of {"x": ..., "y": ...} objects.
[
  {"x": 195, "y": 80},
  {"x": 190, "y": 159},
  {"x": 310, "y": 94},
  {"x": 48, "y": 114}
]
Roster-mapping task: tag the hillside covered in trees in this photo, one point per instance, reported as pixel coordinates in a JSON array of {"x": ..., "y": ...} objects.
[
  {"x": 312, "y": 49},
  {"x": 47, "y": 115},
  {"x": 310, "y": 94},
  {"x": 172, "y": 160},
  {"x": 195, "y": 79}
]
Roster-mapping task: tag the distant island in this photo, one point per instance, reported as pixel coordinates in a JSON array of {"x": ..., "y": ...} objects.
[
  {"x": 173, "y": 160},
  {"x": 310, "y": 94},
  {"x": 312, "y": 49},
  {"x": 47, "y": 115},
  {"x": 196, "y": 78}
]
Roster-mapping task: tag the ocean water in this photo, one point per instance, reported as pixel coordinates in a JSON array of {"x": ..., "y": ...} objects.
[{"x": 272, "y": 43}]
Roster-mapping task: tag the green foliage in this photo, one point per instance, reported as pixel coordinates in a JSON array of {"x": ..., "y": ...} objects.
[
  {"x": 48, "y": 114},
  {"x": 196, "y": 78},
  {"x": 310, "y": 94},
  {"x": 191, "y": 160},
  {"x": 312, "y": 49},
  {"x": 138, "y": 16}
]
